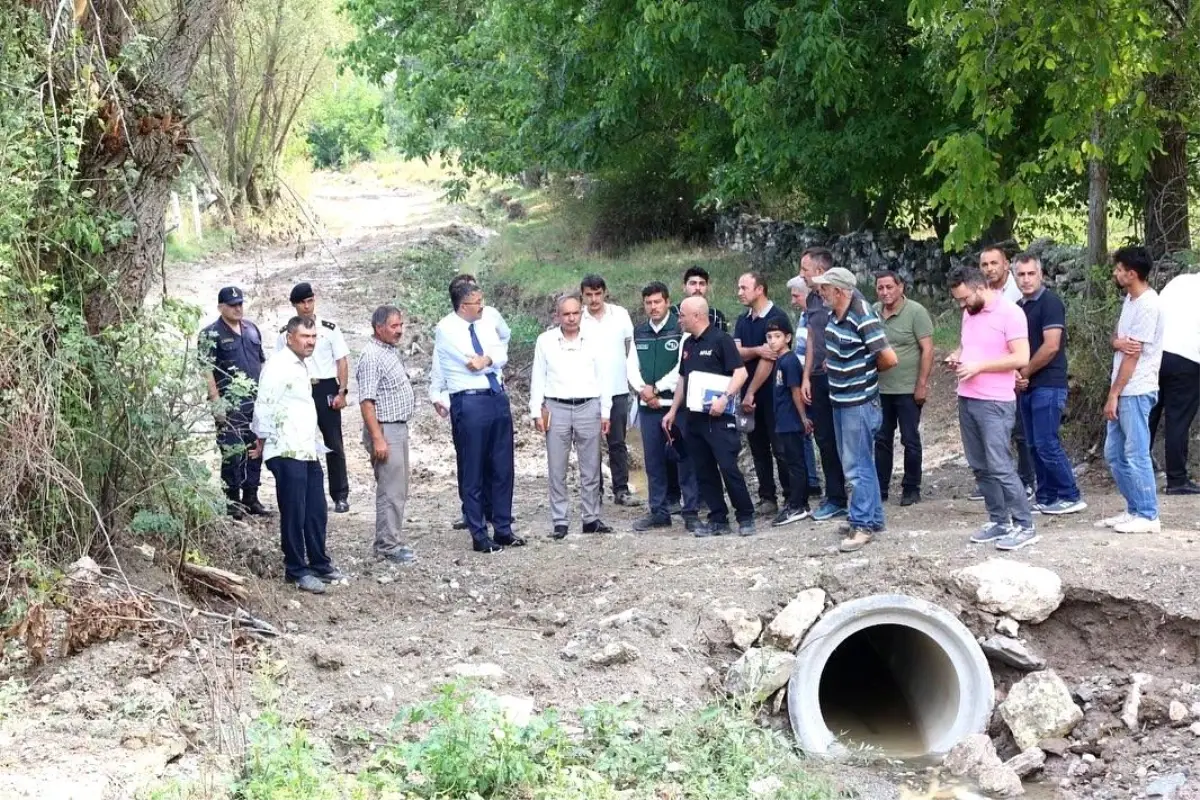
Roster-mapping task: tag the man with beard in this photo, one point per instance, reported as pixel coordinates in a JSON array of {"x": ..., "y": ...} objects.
[
  {"x": 993, "y": 263},
  {"x": 696, "y": 282},
  {"x": 995, "y": 344}
]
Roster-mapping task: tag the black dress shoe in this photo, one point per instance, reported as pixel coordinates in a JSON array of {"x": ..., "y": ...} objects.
[
  {"x": 1184, "y": 488},
  {"x": 560, "y": 532},
  {"x": 460, "y": 525},
  {"x": 910, "y": 497},
  {"x": 235, "y": 510},
  {"x": 596, "y": 526},
  {"x": 487, "y": 546},
  {"x": 341, "y": 506},
  {"x": 510, "y": 541},
  {"x": 651, "y": 521}
]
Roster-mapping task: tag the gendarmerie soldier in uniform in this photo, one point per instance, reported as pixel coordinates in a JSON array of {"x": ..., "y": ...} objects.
[
  {"x": 329, "y": 371},
  {"x": 232, "y": 346}
]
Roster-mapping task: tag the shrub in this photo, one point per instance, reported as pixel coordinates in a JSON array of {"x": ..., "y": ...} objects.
[{"x": 346, "y": 126}]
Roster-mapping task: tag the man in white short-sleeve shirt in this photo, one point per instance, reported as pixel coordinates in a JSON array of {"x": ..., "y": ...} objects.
[
  {"x": 613, "y": 327},
  {"x": 1178, "y": 378},
  {"x": 1137, "y": 354}
]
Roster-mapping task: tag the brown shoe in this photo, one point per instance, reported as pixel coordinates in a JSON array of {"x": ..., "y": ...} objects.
[{"x": 857, "y": 540}]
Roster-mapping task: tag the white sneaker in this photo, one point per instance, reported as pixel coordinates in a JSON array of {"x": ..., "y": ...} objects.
[
  {"x": 1112, "y": 522},
  {"x": 1139, "y": 525}
]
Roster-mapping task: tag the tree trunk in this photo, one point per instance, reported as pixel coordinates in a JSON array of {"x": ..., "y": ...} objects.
[
  {"x": 1166, "y": 212},
  {"x": 137, "y": 146},
  {"x": 1097, "y": 229}
]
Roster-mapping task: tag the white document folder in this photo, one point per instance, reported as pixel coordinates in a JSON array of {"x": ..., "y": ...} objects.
[{"x": 703, "y": 388}]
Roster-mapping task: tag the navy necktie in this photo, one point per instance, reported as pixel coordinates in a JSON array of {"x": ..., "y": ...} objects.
[{"x": 491, "y": 376}]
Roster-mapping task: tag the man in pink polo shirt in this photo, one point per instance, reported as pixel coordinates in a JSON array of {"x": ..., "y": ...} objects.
[{"x": 995, "y": 344}]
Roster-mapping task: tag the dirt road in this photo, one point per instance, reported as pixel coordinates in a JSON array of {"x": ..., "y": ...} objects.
[{"x": 530, "y": 613}]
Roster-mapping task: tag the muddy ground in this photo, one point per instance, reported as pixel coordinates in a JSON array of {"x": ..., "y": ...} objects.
[{"x": 349, "y": 659}]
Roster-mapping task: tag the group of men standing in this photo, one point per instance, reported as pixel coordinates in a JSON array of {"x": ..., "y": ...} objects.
[{"x": 846, "y": 373}]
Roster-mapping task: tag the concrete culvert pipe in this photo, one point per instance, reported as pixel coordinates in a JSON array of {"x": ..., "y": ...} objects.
[{"x": 893, "y": 673}]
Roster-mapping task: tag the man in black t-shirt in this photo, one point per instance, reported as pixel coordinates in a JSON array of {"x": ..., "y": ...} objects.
[
  {"x": 712, "y": 437},
  {"x": 750, "y": 336},
  {"x": 1043, "y": 390}
]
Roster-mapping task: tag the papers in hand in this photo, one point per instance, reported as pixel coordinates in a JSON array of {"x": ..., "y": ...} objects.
[{"x": 705, "y": 387}]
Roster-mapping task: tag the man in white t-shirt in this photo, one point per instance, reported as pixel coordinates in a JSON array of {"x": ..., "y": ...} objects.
[
  {"x": 612, "y": 326},
  {"x": 1137, "y": 355},
  {"x": 1178, "y": 378}
]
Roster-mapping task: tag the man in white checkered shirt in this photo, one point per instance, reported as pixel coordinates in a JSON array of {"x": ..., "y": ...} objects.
[{"x": 387, "y": 402}]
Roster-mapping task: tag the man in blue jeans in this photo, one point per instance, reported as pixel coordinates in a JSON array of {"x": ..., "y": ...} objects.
[
  {"x": 856, "y": 351},
  {"x": 1042, "y": 390},
  {"x": 1137, "y": 355}
]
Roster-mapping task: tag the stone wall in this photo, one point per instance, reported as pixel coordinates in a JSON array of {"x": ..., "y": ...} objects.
[{"x": 921, "y": 262}]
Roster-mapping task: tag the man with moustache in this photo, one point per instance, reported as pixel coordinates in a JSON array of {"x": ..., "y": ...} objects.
[
  {"x": 902, "y": 389},
  {"x": 696, "y": 283},
  {"x": 995, "y": 344},
  {"x": 569, "y": 401},
  {"x": 329, "y": 368},
  {"x": 386, "y": 399},
  {"x": 285, "y": 423},
  {"x": 233, "y": 349}
]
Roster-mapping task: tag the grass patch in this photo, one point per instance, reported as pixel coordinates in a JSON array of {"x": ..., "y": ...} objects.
[
  {"x": 463, "y": 744},
  {"x": 216, "y": 240},
  {"x": 546, "y": 253},
  {"x": 947, "y": 328}
]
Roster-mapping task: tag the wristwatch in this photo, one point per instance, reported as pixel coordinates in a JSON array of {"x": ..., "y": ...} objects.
[{"x": 343, "y": 390}]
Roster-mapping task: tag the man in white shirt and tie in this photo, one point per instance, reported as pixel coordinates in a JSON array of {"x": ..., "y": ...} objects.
[
  {"x": 289, "y": 441},
  {"x": 437, "y": 386},
  {"x": 469, "y": 356},
  {"x": 613, "y": 327},
  {"x": 329, "y": 367},
  {"x": 569, "y": 401}
]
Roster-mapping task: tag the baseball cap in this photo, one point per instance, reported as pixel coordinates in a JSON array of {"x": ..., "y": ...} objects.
[
  {"x": 301, "y": 292},
  {"x": 230, "y": 296},
  {"x": 840, "y": 277}
]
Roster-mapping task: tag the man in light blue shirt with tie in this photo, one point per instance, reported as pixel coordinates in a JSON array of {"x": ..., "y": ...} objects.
[{"x": 468, "y": 354}]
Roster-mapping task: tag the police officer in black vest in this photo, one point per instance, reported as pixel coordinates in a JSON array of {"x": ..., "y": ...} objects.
[
  {"x": 329, "y": 371},
  {"x": 232, "y": 347},
  {"x": 711, "y": 362}
]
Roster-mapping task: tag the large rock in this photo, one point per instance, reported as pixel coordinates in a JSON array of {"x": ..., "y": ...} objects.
[
  {"x": 1011, "y": 652},
  {"x": 1027, "y": 762},
  {"x": 970, "y": 755},
  {"x": 759, "y": 672},
  {"x": 735, "y": 626},
  {"x": 1021, "y": 591},
  {"x": 615, "y": 653},
  {"x": 999, "y": 781},
  {"x": 1038, "y": 707},
  {"x": 787, "y": 630}
]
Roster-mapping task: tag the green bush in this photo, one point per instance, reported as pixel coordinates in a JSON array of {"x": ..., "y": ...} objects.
[{"x": 346, "y": 126}]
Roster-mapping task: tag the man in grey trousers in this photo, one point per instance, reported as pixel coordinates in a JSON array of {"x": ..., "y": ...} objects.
[
  {"x": 387, "y": 402},
  {"x": 569, "y": 402},
  {"x": 994, "y": 345}
]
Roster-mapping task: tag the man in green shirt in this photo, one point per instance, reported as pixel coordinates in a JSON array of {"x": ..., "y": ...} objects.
[{"x": 902, "y": 389}]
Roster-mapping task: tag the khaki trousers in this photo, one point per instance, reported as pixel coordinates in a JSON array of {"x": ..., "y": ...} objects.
[{"x": 391, "y": 487}]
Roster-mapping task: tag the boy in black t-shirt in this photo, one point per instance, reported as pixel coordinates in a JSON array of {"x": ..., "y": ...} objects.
[{"x": 791, "y": 420}]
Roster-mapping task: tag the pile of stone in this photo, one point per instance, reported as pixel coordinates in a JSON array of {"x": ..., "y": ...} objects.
[{"x": 921, "y": 262}]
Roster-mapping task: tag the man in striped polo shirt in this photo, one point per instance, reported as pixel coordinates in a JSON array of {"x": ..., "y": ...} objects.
[{"x": 856, "y": 352}]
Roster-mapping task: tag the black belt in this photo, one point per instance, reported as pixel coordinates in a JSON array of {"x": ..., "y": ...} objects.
[
  {"x": 572, "y": 401},
  {"x": 473, "y": 392},
  {"x": 392, "y": 421}
]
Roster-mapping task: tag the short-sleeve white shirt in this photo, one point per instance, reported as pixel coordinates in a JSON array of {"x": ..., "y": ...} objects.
[{"x": 331, "y": 348}]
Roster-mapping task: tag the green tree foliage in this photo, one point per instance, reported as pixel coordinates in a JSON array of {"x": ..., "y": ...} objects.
[
  {"x": 346, "y": 124},
  {"x": 866, "y": 112},
  {"x": 1074, "y": 64},
  {"x": 830, "y": 101}
]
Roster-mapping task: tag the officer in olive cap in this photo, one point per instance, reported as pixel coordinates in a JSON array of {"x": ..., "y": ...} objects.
[
  {"x": 232, "y": 348},
  {"x": 329, "y": 370}
]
